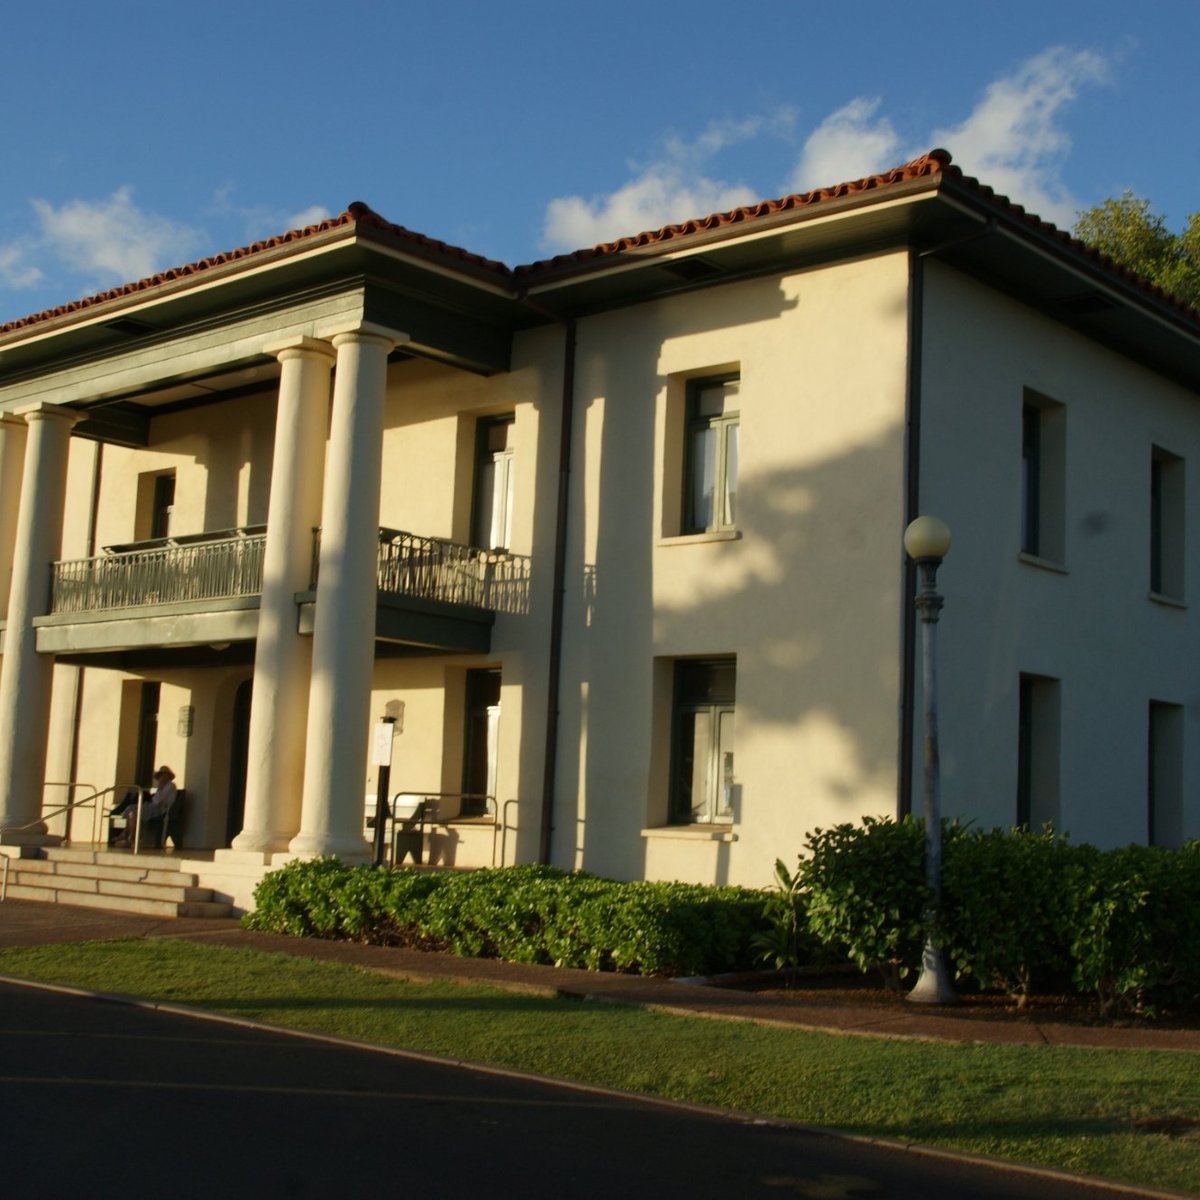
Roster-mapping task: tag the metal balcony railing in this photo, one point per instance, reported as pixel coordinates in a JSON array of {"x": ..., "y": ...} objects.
[
  {"x": 229, "y": 564},
  {"x": 213, "y": 566},
  {"x": 435, "y": 569}
]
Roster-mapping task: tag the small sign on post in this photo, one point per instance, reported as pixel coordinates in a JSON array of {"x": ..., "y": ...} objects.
[
  {"x": 381, "y": 757},
  {"x": 381, "y": 744}
]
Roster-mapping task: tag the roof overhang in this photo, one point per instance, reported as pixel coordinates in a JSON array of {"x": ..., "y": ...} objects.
[{"x": 462, "y": 310}]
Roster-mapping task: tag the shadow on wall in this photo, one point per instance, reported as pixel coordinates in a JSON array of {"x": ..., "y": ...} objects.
[{"x": 808, "y": 600}]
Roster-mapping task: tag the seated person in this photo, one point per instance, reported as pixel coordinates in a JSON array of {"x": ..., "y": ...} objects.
[{"x": 157, "y": 805}]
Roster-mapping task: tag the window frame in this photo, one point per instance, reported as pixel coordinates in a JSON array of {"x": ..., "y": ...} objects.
[
  {"x": 720, "y": 425},
  {"x": 1168, "y": 485},
  {"x": 503, "y": 483},
  {"x": 1043, "y": 471},
  {"x": 714, "y": 709},
  {"x": 1039, "y": 751}
]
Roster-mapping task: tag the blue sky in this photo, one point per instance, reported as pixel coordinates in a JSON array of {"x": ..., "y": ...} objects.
[{"x": 138, "y": 136}]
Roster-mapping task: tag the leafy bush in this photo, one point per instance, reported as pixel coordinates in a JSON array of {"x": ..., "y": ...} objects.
[
  {"x": 531, "y": 914},
  {"x": 1135, "y": 916},
  {"x": 1123, "y": 925},
  {"x": 865, "y": 887},
  {"x": 1006, "y": 912},
  {"x": 787, "y": 942}
]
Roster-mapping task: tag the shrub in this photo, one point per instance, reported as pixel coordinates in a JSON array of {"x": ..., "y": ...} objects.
[
  {"x": 1005, "y": 904},
  {"x": 787, "y": 942},
  {"x": 529, "y": 914},
  {"x": 1123, "y": 925},
  {"x": 865, "y": 889},
  {"x": 1135, "y": 916}
]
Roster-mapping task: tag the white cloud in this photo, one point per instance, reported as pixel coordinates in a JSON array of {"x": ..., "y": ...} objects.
[
  {"x": 313, "y": 215},
  {"x": 113, "y": 241},
  {"x": 259, "y": 220},
  {"x": 1014, "y": 140},
  {"x": 15, "y": 269},
  {"x": 848, "y": 144},
  {"x": 675, "y": 188}
]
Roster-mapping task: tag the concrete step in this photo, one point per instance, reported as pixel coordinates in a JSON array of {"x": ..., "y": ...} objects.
[
  {"x": 120, "y": 882},
  {"x": 130, "y": 904},
  {"x": 100, "y": 855},
  {"x": 120, "y": 886},
  {"x": 131, "y": 869}
]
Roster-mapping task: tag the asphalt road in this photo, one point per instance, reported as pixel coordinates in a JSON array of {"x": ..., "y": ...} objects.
[{"x": 104, "y": 1099}]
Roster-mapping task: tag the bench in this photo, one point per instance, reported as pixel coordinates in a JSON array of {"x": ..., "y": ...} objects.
[
  {"x": 408, "y": 829},
  {"x": 156, "y": 829}
]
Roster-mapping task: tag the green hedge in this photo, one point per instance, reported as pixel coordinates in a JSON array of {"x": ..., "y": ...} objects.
[
  {"x": 522, "y": 914},
  {"x": 1018, "y": 909}
]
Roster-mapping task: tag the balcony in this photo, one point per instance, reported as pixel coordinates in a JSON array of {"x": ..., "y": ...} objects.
[
  {"x": 445, "y": 572},
  {"x": 198, "y": 595},
  {"x": 210, "y": 566}
]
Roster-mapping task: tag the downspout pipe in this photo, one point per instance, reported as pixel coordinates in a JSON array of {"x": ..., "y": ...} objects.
[
  {"x": 554, "y": 680},
  {"x": 912, "y": 499},
  {"x": 559, "y": 574}
]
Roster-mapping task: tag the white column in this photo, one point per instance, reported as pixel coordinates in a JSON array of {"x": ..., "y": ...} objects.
[
  {"x": 12, "y": 457},
  {"x": 26, "y": 677},
  {"x": 343, "y": 653},
  {"x": 282, "y": 658}
]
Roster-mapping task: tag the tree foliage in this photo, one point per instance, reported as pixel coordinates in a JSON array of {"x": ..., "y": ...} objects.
[{"x": 1125, "y": 229}]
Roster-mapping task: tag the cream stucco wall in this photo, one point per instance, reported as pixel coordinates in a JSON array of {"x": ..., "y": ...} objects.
[
  {"x": 1090, "y": 625},
  {"x": 806, "y": 597}
]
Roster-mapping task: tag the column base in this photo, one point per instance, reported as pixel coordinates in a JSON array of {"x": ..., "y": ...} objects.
[
  {"x": 261, "y": 841},
  {"x": 28, "y": 837},
  {"x": 316, "y": 845}
]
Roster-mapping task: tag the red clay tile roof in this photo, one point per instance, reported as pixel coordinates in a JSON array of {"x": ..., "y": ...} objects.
[
  {"x": 357, "y": 214},
  {"x": 932, "y": 163},
  {"x": 935, "y": 163}
]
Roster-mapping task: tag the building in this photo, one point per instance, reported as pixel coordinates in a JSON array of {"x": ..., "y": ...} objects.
[{"x": 583, "y": 519}]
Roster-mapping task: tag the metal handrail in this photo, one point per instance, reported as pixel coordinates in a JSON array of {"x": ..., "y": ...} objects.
[
  {"x": 57, "y": 812},
  {"x": 91, "y": 798},
  {"x": 503, "y": 833},
  {"x": 431, "y": 568},
  {"x": 217, "y": 569}
]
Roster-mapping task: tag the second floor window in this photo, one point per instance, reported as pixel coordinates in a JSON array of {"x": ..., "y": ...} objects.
[
  {"x": 491, "y": 525},
  {"x": 1043, "y": 477},
  {"x": 711, "y": 474},
  {"x": 1166, "y": 524}
]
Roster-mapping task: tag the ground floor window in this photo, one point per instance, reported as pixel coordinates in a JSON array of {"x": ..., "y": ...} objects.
[
  {"x": 703, "y": 731},
  {"x": 1038, "y": 737},
  {"x": 481, "y": 741},
  {"x": 1164, "y": 775}
]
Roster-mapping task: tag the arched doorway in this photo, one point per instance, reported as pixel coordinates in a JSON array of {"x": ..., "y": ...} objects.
[{"x": 239, "y": 751}]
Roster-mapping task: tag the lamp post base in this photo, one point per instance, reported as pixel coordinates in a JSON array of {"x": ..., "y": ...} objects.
[{"x": 933, "y": 985}]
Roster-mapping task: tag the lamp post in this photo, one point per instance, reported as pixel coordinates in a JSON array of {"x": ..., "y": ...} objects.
[{"x": 927, "y": 540}]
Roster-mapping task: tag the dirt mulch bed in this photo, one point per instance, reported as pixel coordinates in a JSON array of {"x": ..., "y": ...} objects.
[{"x": 849, "y": 989}]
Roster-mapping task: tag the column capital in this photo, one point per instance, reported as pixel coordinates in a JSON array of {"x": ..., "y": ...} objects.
[
  {"x": 10, "y": 419},
  {"x": 363, "y": 331},
  {"x": 42, "y": 410},
  {"x": 300, "y": 347}
]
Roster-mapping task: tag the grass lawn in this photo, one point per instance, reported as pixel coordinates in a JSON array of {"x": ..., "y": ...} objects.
[{"x": 1062, "y": 1107}]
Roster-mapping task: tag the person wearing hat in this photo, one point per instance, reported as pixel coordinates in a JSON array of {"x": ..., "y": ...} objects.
[{"x": 158, "y": 804}]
